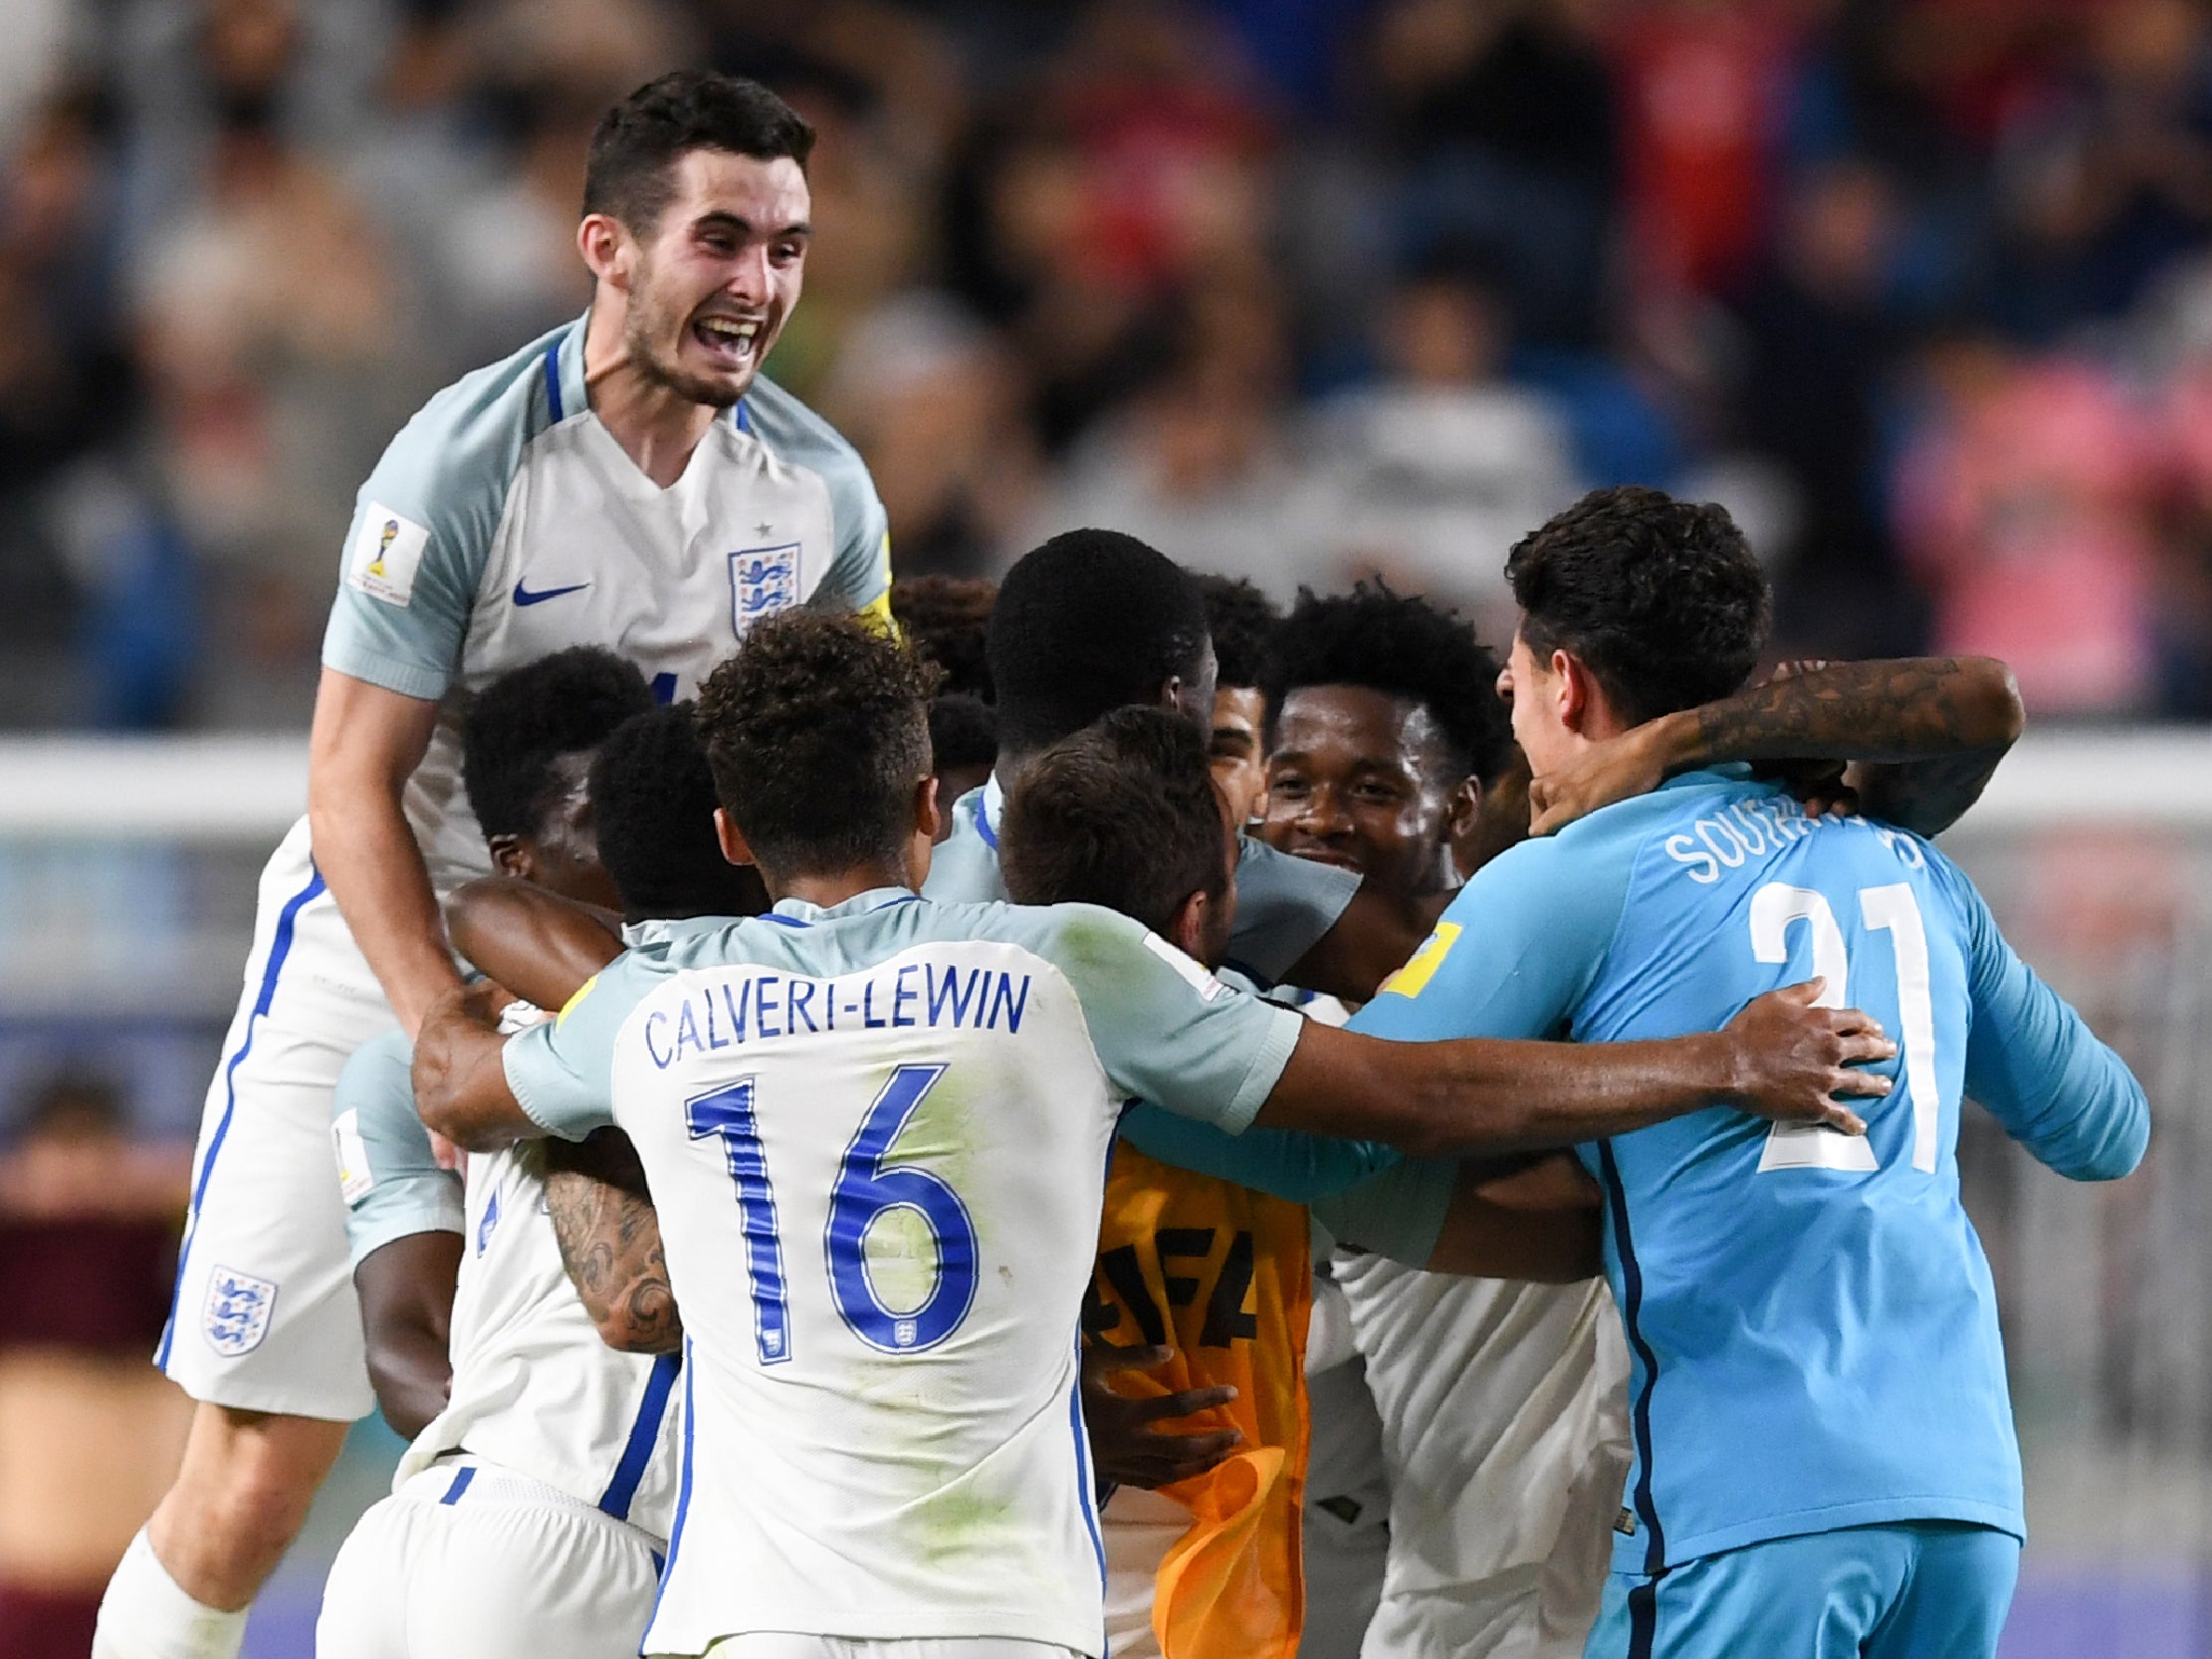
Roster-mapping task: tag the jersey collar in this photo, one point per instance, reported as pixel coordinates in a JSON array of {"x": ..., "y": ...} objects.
[
  {"x": 989, "y": 805},
  {"x": 1720, "y": 771},
  {"x": 790, "y": 911}
]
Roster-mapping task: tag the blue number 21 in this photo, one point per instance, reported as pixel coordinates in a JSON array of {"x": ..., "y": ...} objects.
[{"x": 868, "y": 1187}]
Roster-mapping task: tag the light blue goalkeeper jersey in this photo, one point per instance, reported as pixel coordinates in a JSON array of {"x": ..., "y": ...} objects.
[{"x": 1811, "y": 1321}]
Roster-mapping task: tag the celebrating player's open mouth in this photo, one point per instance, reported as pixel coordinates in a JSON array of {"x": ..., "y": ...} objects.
[{"x": 731, "y": 339}]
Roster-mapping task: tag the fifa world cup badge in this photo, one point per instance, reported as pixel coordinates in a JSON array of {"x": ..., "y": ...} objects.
[{"x": 387, "y": 551}]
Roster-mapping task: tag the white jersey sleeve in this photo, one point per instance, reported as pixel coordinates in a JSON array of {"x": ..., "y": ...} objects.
[
  {"x": 1166, "y": 1029},
  {"x": 561, "y": 1070},
  {"x": 387, "y": 1172},
  {"x": 424, "y": 525}
]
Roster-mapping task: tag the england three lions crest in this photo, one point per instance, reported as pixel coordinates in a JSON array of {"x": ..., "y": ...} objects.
[
  {"x": 236, "y": 1318},
  {"x": 763, "y": 580}
]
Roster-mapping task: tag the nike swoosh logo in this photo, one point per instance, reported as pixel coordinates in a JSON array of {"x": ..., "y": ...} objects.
[{"x": 524, "y": 596}]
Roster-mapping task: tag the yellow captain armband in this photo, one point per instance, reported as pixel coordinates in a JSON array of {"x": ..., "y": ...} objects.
[
  {"x": 584, "y": 990},
  {"x": 1420, "y": 968},
  {"x": 877, "y": 612}
]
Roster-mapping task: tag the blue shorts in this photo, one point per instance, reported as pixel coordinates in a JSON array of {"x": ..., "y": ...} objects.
[{"x": 1906, "y": 1591}]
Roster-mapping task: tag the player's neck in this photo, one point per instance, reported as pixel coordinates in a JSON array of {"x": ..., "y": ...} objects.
[
  {"x": 657, "y": 427},
  {"x": 825, "y": 892}
]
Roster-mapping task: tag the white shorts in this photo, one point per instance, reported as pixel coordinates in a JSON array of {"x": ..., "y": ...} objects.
[
  {"x": 1136, "y": 1529},
  {"x": 1345, "y": 1523},
  {"x": 1505, "y": 1432},
  {"x": 265, "y": 1316},
  {"x": 469, "y": 1561},
  {"x": 785, "y": 1644}
]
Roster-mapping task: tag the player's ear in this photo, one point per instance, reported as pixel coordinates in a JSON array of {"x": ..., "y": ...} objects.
[
  {"x": 1574, "y": 688},
  {"x": 511, "y": 855},
  {"x": 735, "y": 849},
  {"x": 1187, "y": 927},
  {"x": 929, "y": 814},
  {"x": 604, "y": 245},
  {"x": 1462, "y": 809}
]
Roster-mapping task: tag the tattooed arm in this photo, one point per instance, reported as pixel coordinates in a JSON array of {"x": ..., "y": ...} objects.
[
  {"x": 610, "y": 1241},
  {"x": 1927, "y": 732}
]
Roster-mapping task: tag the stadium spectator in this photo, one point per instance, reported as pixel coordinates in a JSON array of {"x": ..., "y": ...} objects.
[
  {"x": 1433, "y": 473},
  {"x": 1091, "y": 257},
  {"x": 87, "y": 1244},
  {"x": 2025, "y": 501}
]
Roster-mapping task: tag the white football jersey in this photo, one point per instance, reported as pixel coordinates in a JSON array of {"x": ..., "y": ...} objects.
[
  {"x": 504, "y": 522},
  {"x": 1497, "y": 1398},
  {"x": 534, "y": 1390},
  {"x": 877, "y": 1138}
]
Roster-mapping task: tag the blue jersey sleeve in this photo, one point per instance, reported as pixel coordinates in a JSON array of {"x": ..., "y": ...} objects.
[
  {"x": 1289, "y": 1163},
  {"x": 1516, "y": 951},
  {"x": 1283, "y": 908},
  {"x": 387, "y": 1172},
  {"x": 1397, "y": 1212},
  {"x": 2033, "y": 1061}
]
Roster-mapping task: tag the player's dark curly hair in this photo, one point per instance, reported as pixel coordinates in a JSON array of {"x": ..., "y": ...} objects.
[
  {"x": 1663, "y": 599},
  {"x": 653, "y": 806},
  {"x": 1123, "y": 813},
  {"x": 1091, "y": 620},
  {"x": 515, "y": 729},
  {"x": 1243, "y": 621},
  {"x": 963, "y": 731},
  {"x": 816, "y": 732},
  {"x": 947, "y": 618},
  {"x": 626, "y": 173},
  {"x": 1404, "y": 646}
]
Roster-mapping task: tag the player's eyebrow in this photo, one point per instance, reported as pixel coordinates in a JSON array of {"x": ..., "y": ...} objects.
[{"x": 718, "y": 219}]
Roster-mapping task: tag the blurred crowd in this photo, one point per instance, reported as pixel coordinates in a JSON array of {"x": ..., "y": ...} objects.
[{"x": 1294, "y": 289}]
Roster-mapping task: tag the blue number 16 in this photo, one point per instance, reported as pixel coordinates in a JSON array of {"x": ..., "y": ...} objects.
[{"x": 869, "y": 1186}]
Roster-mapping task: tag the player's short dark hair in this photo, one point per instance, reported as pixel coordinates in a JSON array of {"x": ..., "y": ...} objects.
[
  {"x": 817, "y": 731},
  {"x": 1121, "y": 813},
  {"x": 1403, "y": 647},
  {"x": 626, "y": 173},
  {"x": 515, "y": 728},
  {"x": 653, "y": 806},
  {"x": 1090, "y": 622},
  {"x": 1662, "y": 599},
  {"x": 1243, "y": 621},
  {"x": 963, "y": 731},
  {"x": 946, "y": 620}
]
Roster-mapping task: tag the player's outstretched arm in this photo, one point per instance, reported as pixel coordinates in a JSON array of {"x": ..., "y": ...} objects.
[
  {"x": 1781, "y": 1057},
  {"x": 1935, "y": 727},
  {"x": 541, "y": 946},
  {"x": 610, "y": 1241},
  {"x": 365, "y": 744},
  {"x": 406, "y": 1294},
  {"x": 2034, "y": 1063},
  {"x": 461, "y": 1088}
]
